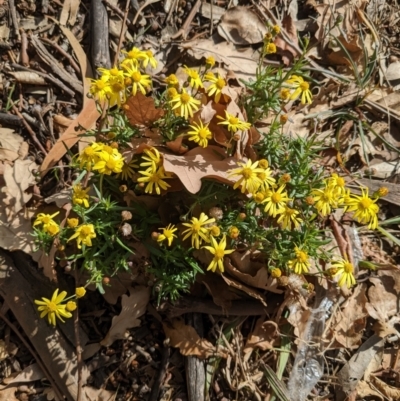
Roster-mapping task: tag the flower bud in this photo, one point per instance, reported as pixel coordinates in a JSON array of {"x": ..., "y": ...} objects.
[
  {"x": 233, "y": 232},
  {"x": 276, "y": 273}
]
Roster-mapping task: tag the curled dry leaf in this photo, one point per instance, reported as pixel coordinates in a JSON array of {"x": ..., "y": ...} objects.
[
  {"x": 141, "y": 110},
  {"x": 189, "y": 342},
  {"x": 30, "y": 78},
  {"x": 197, "y": 164},
  {"x": 391, "y": 392},
  {"x": 30, "y": 374},
  {"x": 263, "y": 337},
  {"x": 241, "y": 26},
  {"x": 133, "y": 306},
  {"x": 287, "y": 51}
]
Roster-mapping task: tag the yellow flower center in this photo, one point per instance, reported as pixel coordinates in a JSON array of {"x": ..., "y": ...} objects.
[
  {"x": 46, "y": 219},
  {"x": 348, "y": 267},
  {"x": 263, "y": 163},
  {"x": 114, "y": 72},
  {"x": 203, "y": 133},
  {"x": 365, "y": 203},
  {"x": 196, "y": 227},
  {"x": 136, "y": 76},
  {"x": 85, "y": 231},
  {"x": 52, "y": 306},
  {"x": 220, "y": 83},
  {"x": 117, "y": 87},
  {"x": 155, "y": 178},
  {"x": 276, "y": 198},
  {"x": 262, "y": 176},
  {"x": 290, "y": 212},
  {"x": 219, "y": 253},
  {"x": 304, "y": 86},
  {"x": 185, "y": 98},
  {"x": 111, "y": 163},
  {"x": 89, "y": 151},
  {"x": 108, "y": 149},
  {"x": 133, "y": 54},
  {"x": 100, "y": 85},
  {"x": 233, "y": 120},
  {"x": 302, "y": 256},
  {"x": 247, "y": 172},
  {"x": 259, "y": 197}
]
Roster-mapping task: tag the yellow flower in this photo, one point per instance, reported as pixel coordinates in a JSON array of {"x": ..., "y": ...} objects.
[
  {"x": 72, "y": 223},
  {"x": 218, "y": 83},
  {"x": 233, "y": 232},
  {"x": 80, "y": 196},
  {"x": 171, "y": 92},
  {"x": 90, "y": 155},
  {"x": 84, "y": 235},
  {"x": 260, "y": 196},
  {"x": 194, "y": 78},
  {"x": 270, "y": 48},
  {"x": 263, "y": 163},
  {"x": 149, "y": 59},
  {"x": 197, "y": 229},
  {"x": 215, "y": 231},
  {"x": 325, "y": 199},
  {"x": 133, "y": 57},
  {"x": 300, "y": 263},
  {"x": 219, "y": 251},
  {"x": 248, "y": 173},
  {"x": 338, "y": 183},
  {"x": 139, "y": 81},
  {"x": 99, "y": 88},
  {"x": 154, "y": 178},
  {"x": 185, "y": 104},
  {"x": 344, "y": 273},
  {"x": 109, "y": 163},
  {"x": 71, "y": 306},
  {"x": 233, "y": 123},
  {"x": 266, "y": 180},
  {"x": 381, "y": 192},
  {"x": 152, "y": 159},
  {"x": 172, "y": 81},
  {"x": 116, "y": 92},
  {"x": 276, "y": 201},
  {"x": 288, "y": 217},
  {"x": 276, "y": 29},
  {"x": 210, "y": 61},
  {"x": 80, "y": 292},
  {"x": 276, "y": 273},
  {"x": 49, "y": 225},
  {"x": 53, "y": 307},
  {"x": 285, "y": 94},
  {"x": 200, "y": 134},
  {"x": 111, "y": 73},
  {"x": 301, "y": 88},
  {"x": 127, "y": 170},
  {"x": 365, "y": 209},
  {"x": 167, "y": 234}
]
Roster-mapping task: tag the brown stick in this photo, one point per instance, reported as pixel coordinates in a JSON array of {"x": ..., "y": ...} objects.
[
  {"x": 24, "y": 48},
  {"x": 11, "y": 6},
  {"x": 121, "y": 34},
  {"x": 185, "y": 27},
  {"x": 155, "y": 389}
]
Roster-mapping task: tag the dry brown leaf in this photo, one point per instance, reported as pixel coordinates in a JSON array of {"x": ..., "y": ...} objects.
[
  {"x": 30, "y": 374},
  {"x": 86, "y": 119},
  {"x": 241, "y": 26},
  {"x": 10, "y": 145},
  {"x": 391, "y": 392},
  {"x": 198, "y": 163},
  {"x": 263, "y": 337},
  {"x": 141, "y": 110},
  {"x": 188, "y": 341},
  {"x": 69, "y": 12},
  {"x": 95, "y": 394},
  {"x": 350, "y": 321},
  {"x": 284, "y": 49},
  {"x": 8, "y": 394},
  {"x": 3, "y": 350},
  {"x": 30, "y": 78},
  {"x": 133, "y": 306}
]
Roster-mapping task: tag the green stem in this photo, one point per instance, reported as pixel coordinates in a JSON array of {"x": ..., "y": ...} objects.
[{"x": 101, "y": 185}]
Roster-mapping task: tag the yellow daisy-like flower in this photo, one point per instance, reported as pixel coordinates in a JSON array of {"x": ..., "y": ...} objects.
[
  {"x": 73, "y": 222},
  {"x": 276, "y": 201},
  {"x": 365, "y": 209},
  {"x": 84, "y": 235},
  {"x": 80, "y": 196},
  {"x": 215, "y": 89},
  {"x": 344, "y": 273},
  {"x": 270, "y": 48},
  {"x": 80, "y": 292},
  {"x": 260, "y": 196},
  {"x": 194, "y": 78},
  {"x": 111, "y": 73},
  {"x": 198, "y": 230},
  {"x": 138, "y": 80},
  {"x": 70, "y": 306},
  {"x": 300, "y": 263},
  {"x": 116, "y": 94},
  {"x": 171, "y": 92},
  {"x": 127, "y": 171},
  {"x": 133, "y": 57},
  {"x": 49, "y": 225},
  {"x": 152, "y": 159},
  {"x": 172, "y": 81},
  {"x": 149, "y": 59},
  {"x": 109, "y": 163},
  {"x": 53, "y": 307},
  {"x": 215, "y": 231},
  {"x": 302, "y": 88},
  {"x": 90, "y": 155},
  {"x": 233, "y": 123},
  {"x": 167, "y": 234},
  {"x": 267, "y": 181},
  {"x": 338, "y": 183},
  {"x": 185, "y": 105},
  {"x": 248, "y": 173},
  {"x": 200, "y": 134},
  {"x": 154, "y": 178},
  {"x": 99, "y": 88},
  {"x": 219, "y": 251},
  {"x": 288, "y": 217},
  {"x": 325, "y": 199}
]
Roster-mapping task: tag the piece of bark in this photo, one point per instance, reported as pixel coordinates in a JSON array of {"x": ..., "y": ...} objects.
[
  {"x": 195, "y": 369},
  {"x": 20, "y": 287},
  {"x": 10, "y": 119},
  {"x": 100, "y": 53}
]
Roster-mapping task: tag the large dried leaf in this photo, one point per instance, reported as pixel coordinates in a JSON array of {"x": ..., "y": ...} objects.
[
  {"x": 8, "y": 394},
  {"x": 141, "y": 110},
  {"x": 188, "y": 341},
  {"x": 133, "y": 306},
  {"x": 10, "y": 144},
  {"x": 199, "y": 163},
  {"x": 30, "y": 374},
  {"x": 241, "y": 26}
]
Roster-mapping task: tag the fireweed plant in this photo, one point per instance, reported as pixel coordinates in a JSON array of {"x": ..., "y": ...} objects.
[{"x": 270, "y": 197}]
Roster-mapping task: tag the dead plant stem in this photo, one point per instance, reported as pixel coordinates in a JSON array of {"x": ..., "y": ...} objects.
[{"x": 121, "y": 34}]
